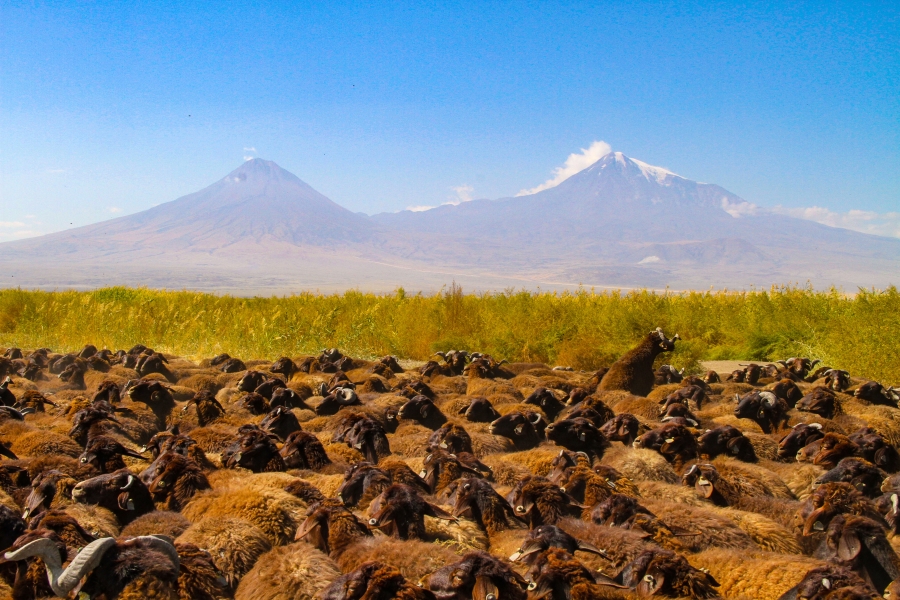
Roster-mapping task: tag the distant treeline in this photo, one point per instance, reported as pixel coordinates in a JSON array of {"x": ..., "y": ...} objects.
[{"x": 586, "y": 329}]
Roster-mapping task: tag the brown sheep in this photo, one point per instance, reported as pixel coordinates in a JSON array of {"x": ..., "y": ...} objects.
[
  {"x": 634, "y": 371},
  {"x": 288, "y": 573}
]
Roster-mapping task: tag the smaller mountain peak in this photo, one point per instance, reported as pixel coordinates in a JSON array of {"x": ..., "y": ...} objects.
[{"x": 258, "y": 168}]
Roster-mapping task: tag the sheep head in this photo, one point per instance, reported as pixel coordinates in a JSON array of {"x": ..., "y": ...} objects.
[
  {"x": 337, "y": 399},
  {"x": 280, "y": 421},
  {"x": 820, "y": 401},
  {"x": 479, "y": 410},
  {"x": 329, "y": 526},
  {"x": 422, "y": 410},
  {"x": 579, "y": 435},
  {"x": 358, "y": 479},
  {"x": 451, "y": 438},
  {"x": 62, "y": 581},
  {"x": 703, "y": 478},
  {"x": 799, "y": 436},
  {"x": 477, "y": 576},
  {"x": 399, "y": 511},
  {"x": 550, "y": 536},
  {"x": 121, "y": 492},
  {"x": 834, "y": 448},
  {"x": 518, "y": 427}
]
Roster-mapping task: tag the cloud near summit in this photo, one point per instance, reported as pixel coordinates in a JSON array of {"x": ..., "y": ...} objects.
[
  {"x": 576, "y": 162},
  {"x": 865, "y": 221}
]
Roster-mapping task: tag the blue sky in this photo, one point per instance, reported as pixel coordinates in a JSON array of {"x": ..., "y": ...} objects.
[{"x": 110, "y": 108}]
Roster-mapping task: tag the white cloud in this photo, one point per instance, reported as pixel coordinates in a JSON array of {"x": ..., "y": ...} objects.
[
  {"x": 865, "y": 221},
  {"x": 23, "y": 233},
  {"x": 12, "y": 224},
  {"x": 114, "y": 209},
  {"x": 739, "y": 209},
  {"x": 575, "y": 163},
  {"x": 463, "y": 194},
  {"x": 886, "y": 224},
  {"x": 649, "y": 259},
  {"x": 246, "y": 158},
  {"x": 250, "y": 149}
]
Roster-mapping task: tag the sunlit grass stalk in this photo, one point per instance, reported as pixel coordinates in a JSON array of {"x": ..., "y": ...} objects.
[{"x": 584, "y": 329}]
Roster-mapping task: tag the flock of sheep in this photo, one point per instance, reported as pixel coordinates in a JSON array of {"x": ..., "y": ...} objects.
[{"x": 136, "y": 474}]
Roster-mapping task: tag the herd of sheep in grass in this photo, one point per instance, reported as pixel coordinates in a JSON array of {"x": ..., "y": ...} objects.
[{"x": 137, "y": 474}]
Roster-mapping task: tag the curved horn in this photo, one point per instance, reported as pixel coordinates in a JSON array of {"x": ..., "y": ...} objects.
[
  {"x": 164, "y": 544},
  {"x": 19, "y": 415},
  {"x": 769, "y": 397},
  {"x": 62, "y": 582},
  {"x": 128, "y": 483}
]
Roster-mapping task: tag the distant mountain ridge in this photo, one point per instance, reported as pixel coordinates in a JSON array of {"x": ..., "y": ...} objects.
[
  {"x": 259, "y": 202},
  {"x": 619, "y": 222}
]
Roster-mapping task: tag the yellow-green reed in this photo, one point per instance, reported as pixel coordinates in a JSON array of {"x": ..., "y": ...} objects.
[{"x": 584, "y": 329}]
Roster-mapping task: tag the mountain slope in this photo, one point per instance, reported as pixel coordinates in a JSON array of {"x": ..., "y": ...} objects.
[
  {"x": 259, "y": 203},
  {"x": 620, "y": 223},
  {"x": 620, "y": 211}
]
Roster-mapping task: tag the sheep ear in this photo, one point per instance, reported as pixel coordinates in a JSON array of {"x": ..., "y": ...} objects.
[
  {"x": 528, "y": 547},
  {"x": 125, "y": 502},
  {"x": 485, "y": 589},
  {"x": 527, "y": 505},
  {"x": 607, "y": 581},
  {"x": 734, "y": 445},
  {"x": 585, "y": 547},
  {"x": 438, "y": 512},
  {"x": 546, "y": 587},
  {"x": 311, "y": 529},
  {"x": 849, "y": 545},
  {"x": 651, "y": 583},
  {"x": 682, "y": 532}
]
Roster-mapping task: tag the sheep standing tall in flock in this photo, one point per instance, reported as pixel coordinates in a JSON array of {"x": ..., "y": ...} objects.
[{"x": 339, "y": 478}]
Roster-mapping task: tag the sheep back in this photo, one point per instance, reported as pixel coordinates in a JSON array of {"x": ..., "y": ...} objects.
[
  {"x": 294, "y": 572},
  {"x": 234, "y": 544}
]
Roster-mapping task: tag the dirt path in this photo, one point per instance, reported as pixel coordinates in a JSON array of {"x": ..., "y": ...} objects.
[{"x": 726, "y": 366}]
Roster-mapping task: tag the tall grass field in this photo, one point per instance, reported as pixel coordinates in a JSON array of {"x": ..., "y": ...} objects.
[{"x": 585, "y": 330}]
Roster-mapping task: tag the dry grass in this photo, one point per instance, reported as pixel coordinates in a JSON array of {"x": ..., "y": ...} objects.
[{"x": 584, "y": 329}]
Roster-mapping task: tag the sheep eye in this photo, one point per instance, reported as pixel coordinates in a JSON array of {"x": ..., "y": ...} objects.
[
  {"x": 532, "y": 586},
  {"x": 649, "y": 578}
]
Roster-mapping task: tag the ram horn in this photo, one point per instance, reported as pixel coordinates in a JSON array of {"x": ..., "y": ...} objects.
[
  {"x": 128, "y": 483},
  {"x": 769, "y": 397},
  {"x": 164, "y": 544},
  {"x": 63, "y": 581}
]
